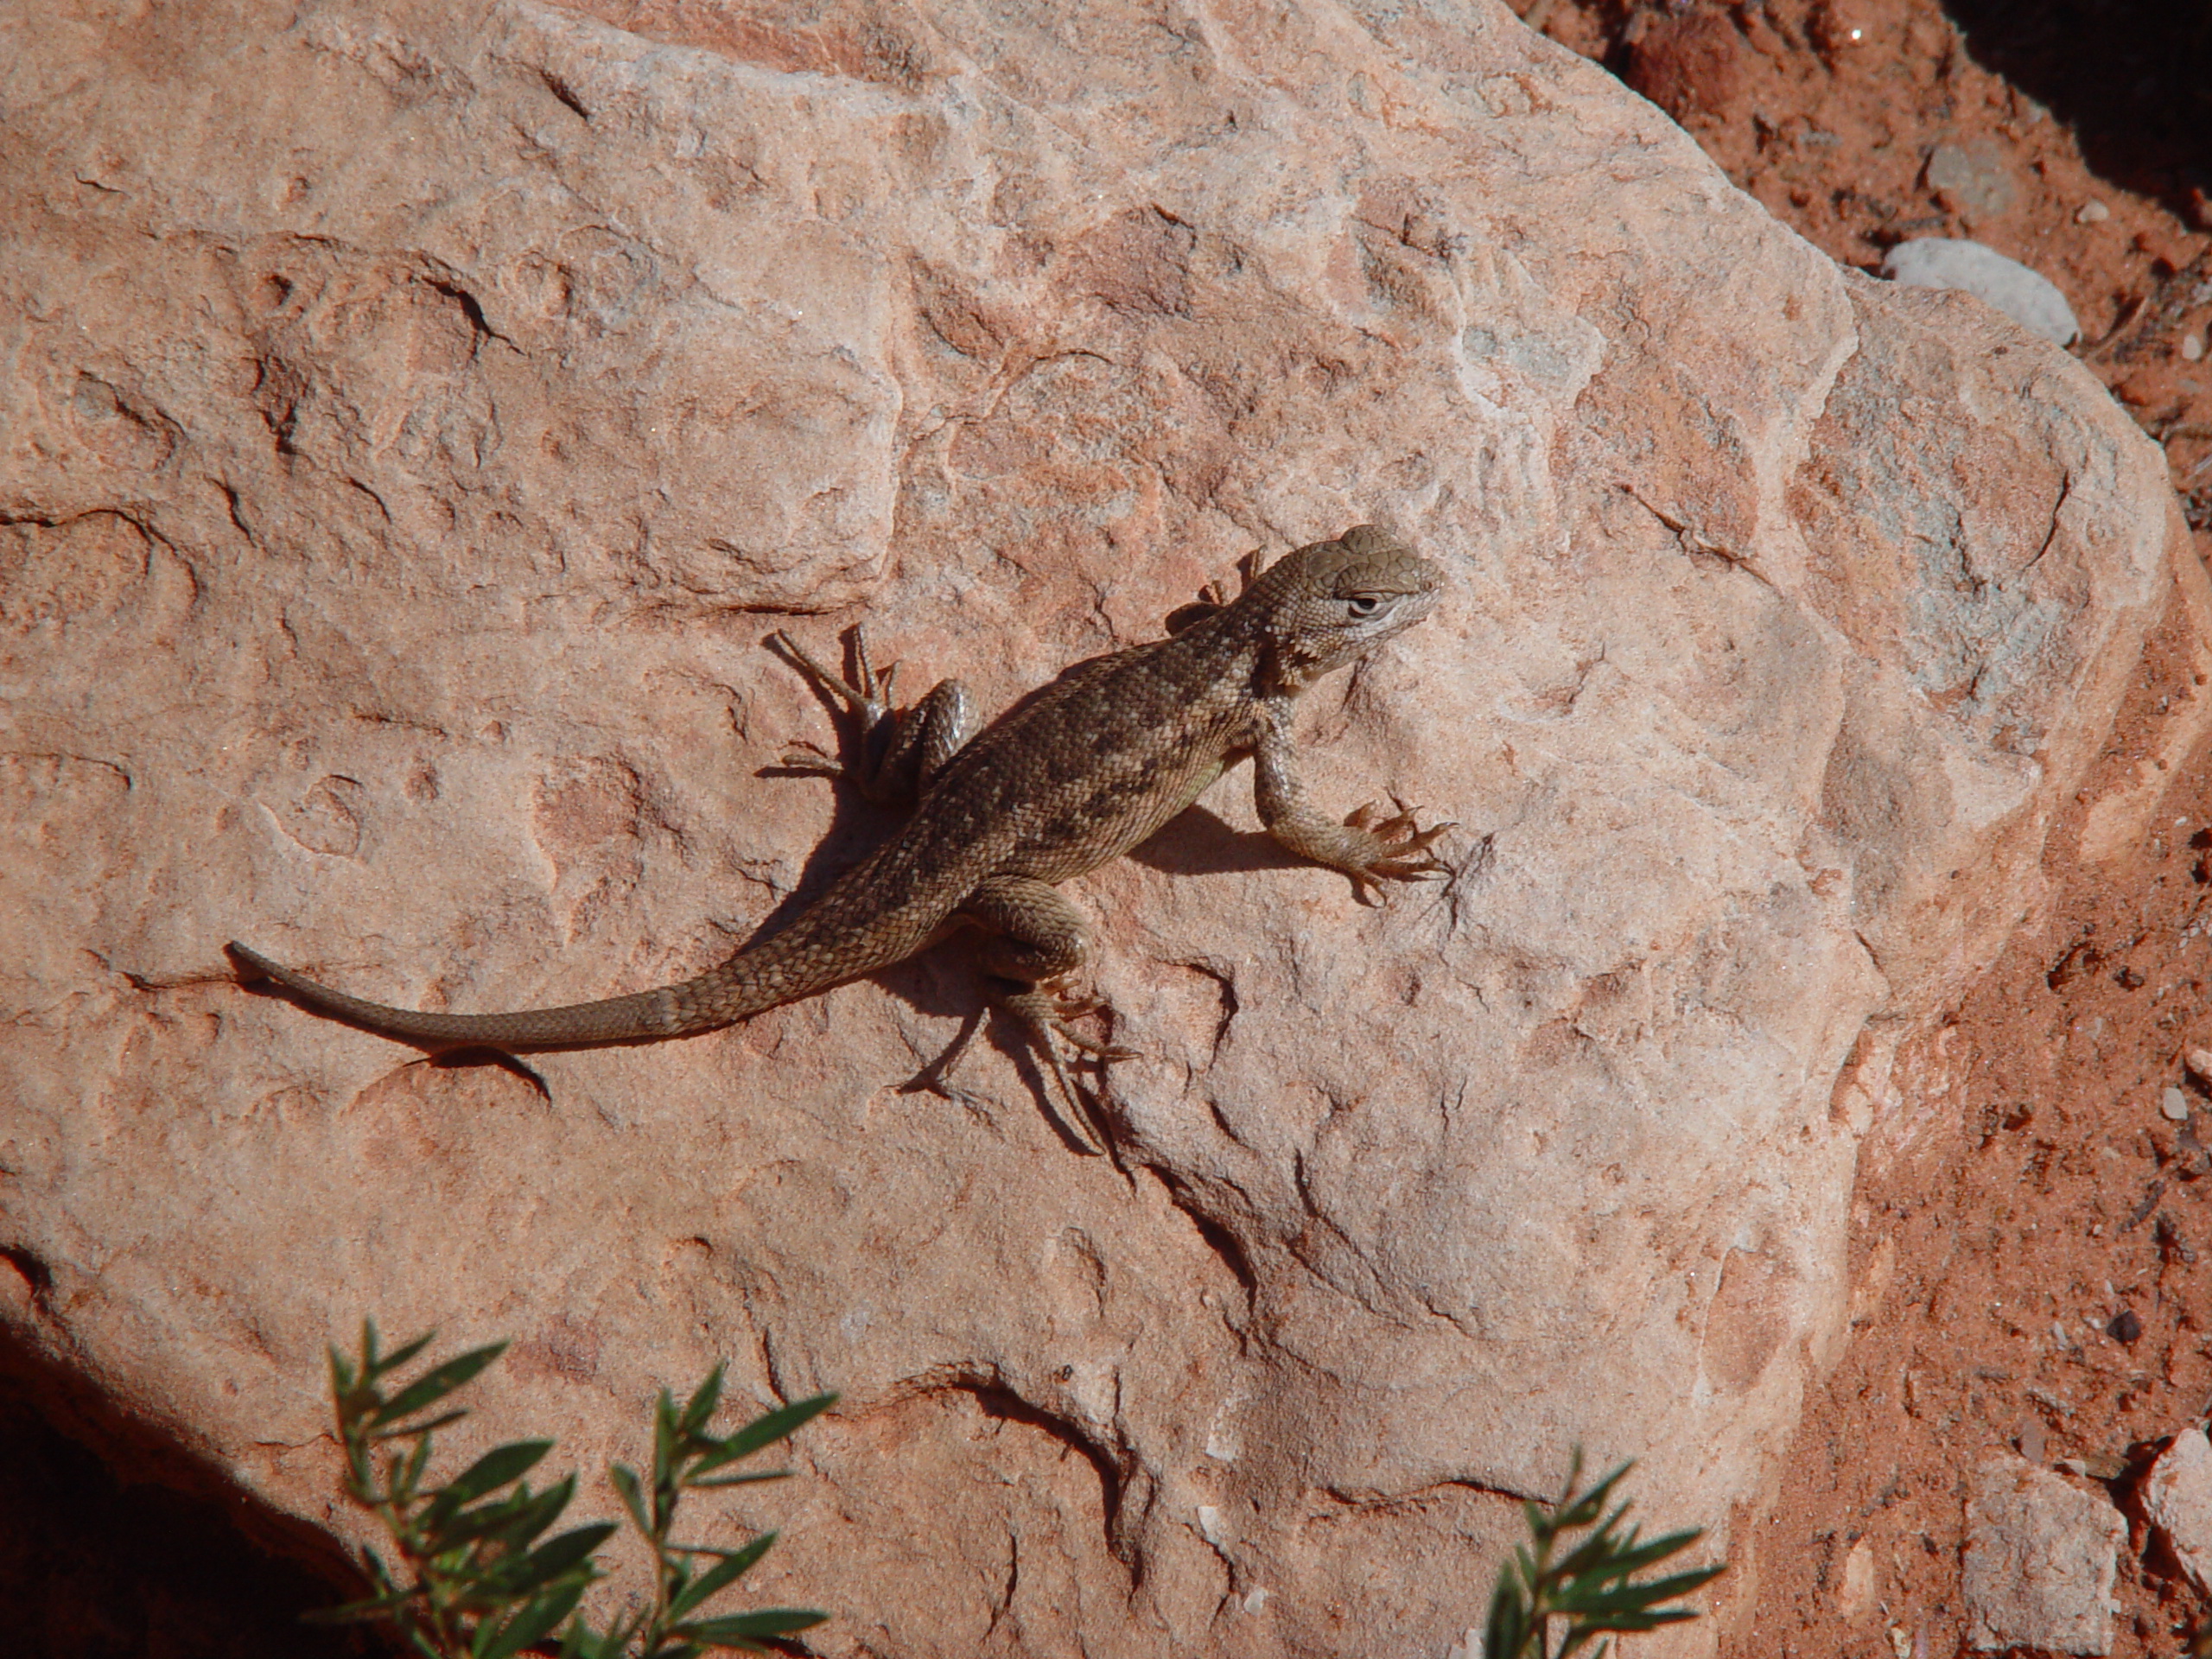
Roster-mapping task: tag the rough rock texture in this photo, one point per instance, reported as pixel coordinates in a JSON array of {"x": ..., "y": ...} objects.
[
  {"x": 2040, "y": 1559},
  {"x": 2177, "y": 1499},
  {"x": 412, "y": 417}
]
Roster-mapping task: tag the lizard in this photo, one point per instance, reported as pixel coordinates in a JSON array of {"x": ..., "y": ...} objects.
[{"x": 1074, "y": 775}]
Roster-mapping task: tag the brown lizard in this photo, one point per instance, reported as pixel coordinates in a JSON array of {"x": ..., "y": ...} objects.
[{"x": 1076, "y": 775}]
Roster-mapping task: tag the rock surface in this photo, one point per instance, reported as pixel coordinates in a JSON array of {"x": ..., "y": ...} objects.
[
  {"x": 2040, "y": 1559},
  {"x": 411, "y": 419},
  {"x": 2177, "y": 1499}
]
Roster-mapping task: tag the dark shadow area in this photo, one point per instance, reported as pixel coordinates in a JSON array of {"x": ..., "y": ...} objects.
[
  {"x": 1196, "y": 843},
  {"x": 96, "y": 1566},
  {"x": 1004, "y": 1404},
  {"x": 2131, "y": 77}
]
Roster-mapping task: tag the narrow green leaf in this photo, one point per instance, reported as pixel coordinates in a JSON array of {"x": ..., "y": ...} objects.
[
  {"x": 623, "y": 1479},
  {"x": 565, "y": 1550},
  {"x": 514, "y": 1520},
  {"x": 1599, "y": 1598},
  {"x": 733, "y": 1629},
  {"x": 700, "y": 1406},
  {"x": 663, "y": 1437},
  {"x": 1682, "y": 1583},
  {"x": 1506, "y": 1634},
  {"x": 695, "y": 1483},
  {"x": 1531, "y": 1574},
  {"x": 1573, "y": 1516},
  {"x": 399, "y": 1356},
  {"x": 531, "y": 1623},
  {"x": 580, "y": 1640},
  {"x": 437, "y": 1383},
  {"x": 725, "y": 1573},
  {"x": 1633, "y": 1555},
  {"x": 1639, "y": 1555},
  {"x": 765, "y": 1430},
  {"x": 406, "y": 1478},
  {"x": 354, "y": 1612},
  {"x": 1593, "y": 1553},
  {"x": 1534, "y": 1516},
  {"x": 494, "y": 1469},
  {"x": 409, "y": 1431}
]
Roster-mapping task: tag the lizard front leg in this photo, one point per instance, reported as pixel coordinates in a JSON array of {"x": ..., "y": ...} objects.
[
  {"x": 1039, "y": 941},
  {"x": 1368, "y": 846},
  {"x": 900, "y": 752}
]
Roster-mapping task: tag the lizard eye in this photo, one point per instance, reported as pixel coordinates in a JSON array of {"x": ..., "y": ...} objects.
[{"x": 1364, "y": 606}]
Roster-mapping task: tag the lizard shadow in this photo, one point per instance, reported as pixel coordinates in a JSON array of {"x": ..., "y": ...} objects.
[{"x": 1196, "y": 841}]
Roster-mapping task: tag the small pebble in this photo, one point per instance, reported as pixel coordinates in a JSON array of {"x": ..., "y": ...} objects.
[
  {"x": 2040, "y": 1561},
  {"x": 2175, "y": 1105},
  {"x": 2126, "y": 1326},
  {"x": 2192, "y": 347},
  {"x": 1972, "y": 179},
  {"x": 2031, "y": 300},
  {"x": 2092, "y": 212},
  {"x": 2199, "y": 1061}
]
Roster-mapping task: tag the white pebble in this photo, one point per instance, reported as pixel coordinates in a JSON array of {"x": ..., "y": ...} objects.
[
  {"x": 2030, "y": 299},
  {"x": 2199, "y": 1061},
  {"x": 2092, "y": 212},
  {"x": 2192, "y": 347},
  {"x": 2175, "y": 1105}
]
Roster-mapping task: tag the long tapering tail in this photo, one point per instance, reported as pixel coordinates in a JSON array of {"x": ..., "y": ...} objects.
[
  {"x": 699, "y": 1004},
  {"x": 849, "y": 931}
]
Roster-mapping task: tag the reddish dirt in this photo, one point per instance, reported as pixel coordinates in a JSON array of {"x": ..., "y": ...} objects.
[{"x": 2033, "y": 1243}]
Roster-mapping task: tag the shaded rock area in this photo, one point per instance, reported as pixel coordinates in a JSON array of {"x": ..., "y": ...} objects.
[
  {"x": 408, "y": 440},
  {"x": 93, "y": 1568},
  {"x": 2040, "y": 1559}
]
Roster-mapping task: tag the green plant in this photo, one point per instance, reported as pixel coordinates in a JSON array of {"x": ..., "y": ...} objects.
[
  {"x": 473, "y": 1575},
  {"x": 1590, "y": 1586}
]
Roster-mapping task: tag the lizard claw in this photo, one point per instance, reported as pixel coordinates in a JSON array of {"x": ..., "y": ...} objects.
[
  {"x": 1050, "y": 1008},
  {"x": 1390, "y": 847},
  {"x": 867, "y": 699},
  {"x": 1046, "y": 1009}
]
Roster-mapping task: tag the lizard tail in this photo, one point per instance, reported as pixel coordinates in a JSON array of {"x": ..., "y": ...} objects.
[{"x": 716, "y": 997}]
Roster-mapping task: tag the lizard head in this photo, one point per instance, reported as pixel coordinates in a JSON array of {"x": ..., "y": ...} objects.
[{"x": 1331, "y": 602}]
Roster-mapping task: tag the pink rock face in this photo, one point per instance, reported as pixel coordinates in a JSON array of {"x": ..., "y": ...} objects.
[{"x": 413, "y": 419}]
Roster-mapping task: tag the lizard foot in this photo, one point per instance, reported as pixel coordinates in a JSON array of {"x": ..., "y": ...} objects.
[
  {"x": 1389, "y": 846},
  {"x": 1043, "y": 1013},
  {"x": 870, "y": 699},
  {"x": 1045, "y": 1010}
]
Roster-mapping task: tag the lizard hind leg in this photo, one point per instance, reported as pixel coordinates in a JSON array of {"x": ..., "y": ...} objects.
[{"x": 1038, "y": 942}]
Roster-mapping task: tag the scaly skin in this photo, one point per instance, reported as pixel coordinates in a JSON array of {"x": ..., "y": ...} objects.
[{"x": 1074, "y": 775}]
